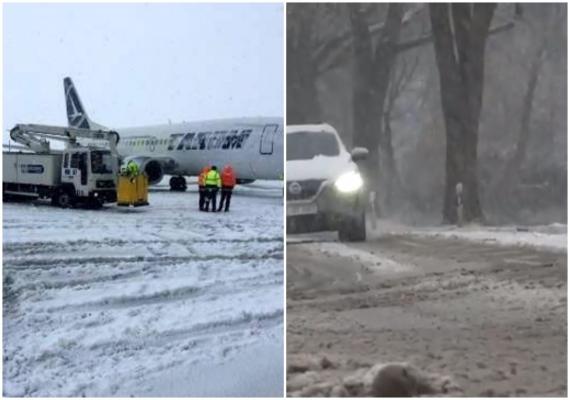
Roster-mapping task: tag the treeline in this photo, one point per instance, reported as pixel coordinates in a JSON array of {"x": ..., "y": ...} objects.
[{"x": 440, "y": 94}]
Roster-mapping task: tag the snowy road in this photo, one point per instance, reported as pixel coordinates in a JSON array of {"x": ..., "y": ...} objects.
[
  {"x": 488, "y": 314},
  {"x": 161, "y": 300}
]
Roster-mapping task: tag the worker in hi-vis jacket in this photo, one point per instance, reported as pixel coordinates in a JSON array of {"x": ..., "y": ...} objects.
[
  {"x": 213, "y": 183},
  {"x": 228, "y": 183},
  {"x": 202, "y": 187}
]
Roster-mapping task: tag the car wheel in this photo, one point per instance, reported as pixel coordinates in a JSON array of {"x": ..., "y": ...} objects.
[{"x": 353, "y": 229}]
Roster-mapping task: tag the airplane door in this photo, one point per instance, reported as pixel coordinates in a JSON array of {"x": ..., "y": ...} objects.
[{"x": 267, "y": 137}]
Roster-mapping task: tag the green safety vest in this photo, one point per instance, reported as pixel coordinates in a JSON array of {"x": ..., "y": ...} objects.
[{"x": 213, "y": 179}]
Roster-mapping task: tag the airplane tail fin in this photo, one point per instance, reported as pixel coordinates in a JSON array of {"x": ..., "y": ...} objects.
[{"x": 76, "y": 115}]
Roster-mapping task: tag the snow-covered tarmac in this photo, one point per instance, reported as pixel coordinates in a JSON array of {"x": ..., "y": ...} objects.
[{"x": 156, "y": 301}]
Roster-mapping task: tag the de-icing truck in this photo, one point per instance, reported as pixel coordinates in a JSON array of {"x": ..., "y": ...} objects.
[{"x": 77, "y": 174}]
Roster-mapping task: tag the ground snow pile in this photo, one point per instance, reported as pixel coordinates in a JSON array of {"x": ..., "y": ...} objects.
[
  {"x": 553, "y": 237},
  {"x": 372, "y": 260},
  {"x": 508, "y": 236},
  {"x": 311, "y": 377}
]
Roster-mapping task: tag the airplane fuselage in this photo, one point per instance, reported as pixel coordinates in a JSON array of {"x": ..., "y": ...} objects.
[{"x": 253, "y": 146}]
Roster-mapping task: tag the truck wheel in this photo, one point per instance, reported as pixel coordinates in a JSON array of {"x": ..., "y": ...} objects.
[
  {"x": 95, "y": 203},
  {"x": 353, "y": 229},
  {"x": 63, "y": 199}
]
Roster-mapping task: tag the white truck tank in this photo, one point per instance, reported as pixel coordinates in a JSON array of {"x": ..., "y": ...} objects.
[{"x": 31, "y": 168}]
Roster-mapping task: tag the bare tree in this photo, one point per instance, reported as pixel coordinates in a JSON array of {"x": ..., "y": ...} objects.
[
  {"x": 310, "y": 56},
  {"x": 372, "y": 72},
  {"x": 511, "y": 172},
  {"x": 460, "y": 32},
  {"x": 302, "y": 98},
  {"x": 375, "y": 51},
  {"x": 545, "y": 36},
  {"x": 399, "y": 79}
]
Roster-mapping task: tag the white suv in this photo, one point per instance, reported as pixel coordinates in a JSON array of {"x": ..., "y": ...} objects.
[{"x": 324, "y": 188}]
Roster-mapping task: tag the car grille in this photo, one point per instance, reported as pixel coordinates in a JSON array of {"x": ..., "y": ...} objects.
[
  {"x": 105, "y": 184},
  {"x": 309, "y": 188}
]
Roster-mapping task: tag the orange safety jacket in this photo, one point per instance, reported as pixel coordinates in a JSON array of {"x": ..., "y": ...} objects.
[
  {"x": 228, "y": 177},
  {"x": 202, "y": 176}
]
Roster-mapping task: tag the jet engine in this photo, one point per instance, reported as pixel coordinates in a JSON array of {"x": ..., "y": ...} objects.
[{"x": 152, "y": 168}]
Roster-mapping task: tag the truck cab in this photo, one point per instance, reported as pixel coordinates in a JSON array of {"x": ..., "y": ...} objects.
[{"x": 88, "y": 174}]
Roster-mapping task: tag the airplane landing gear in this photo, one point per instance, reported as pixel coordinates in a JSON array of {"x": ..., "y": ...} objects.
[{"x": 178, "y": 184}]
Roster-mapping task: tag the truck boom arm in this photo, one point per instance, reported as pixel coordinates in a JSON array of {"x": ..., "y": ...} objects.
[{"x": 36, "y": 137}]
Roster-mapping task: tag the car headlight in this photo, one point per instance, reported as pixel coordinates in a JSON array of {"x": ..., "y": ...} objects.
[{"x": 349, "y": 182}]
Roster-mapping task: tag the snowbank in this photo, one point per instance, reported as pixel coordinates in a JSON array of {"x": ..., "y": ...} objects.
[
  {"x": 535, "y": 237},
  {"x": 553, "y": 237}
]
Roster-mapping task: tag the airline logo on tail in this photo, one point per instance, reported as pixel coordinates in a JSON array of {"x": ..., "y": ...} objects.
[{"x": 76, "y": 116}]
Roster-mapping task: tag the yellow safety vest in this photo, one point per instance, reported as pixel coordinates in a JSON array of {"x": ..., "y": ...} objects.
[
  {"x": 133, "y": 168},
  {"x": 213, "y": 178}
]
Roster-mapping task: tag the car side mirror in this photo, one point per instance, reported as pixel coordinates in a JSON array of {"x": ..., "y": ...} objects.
[{"x": 359, "y": 154}]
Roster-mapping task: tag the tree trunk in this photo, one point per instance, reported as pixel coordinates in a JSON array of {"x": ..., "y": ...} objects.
[
  {"x": 460, "y": 32},
  {"x": 366, "y": 127},
  {"x": 392, "y": 184},
  {"x": 302, "y": 96},
  {"x": 371, "y": 80},
  {"x": 512, "y": 170}
]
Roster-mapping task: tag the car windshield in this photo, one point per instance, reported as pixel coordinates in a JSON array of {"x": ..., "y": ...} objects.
[
  {"x": 308, "y": 145},
  {"x": 101, "y": 162}
]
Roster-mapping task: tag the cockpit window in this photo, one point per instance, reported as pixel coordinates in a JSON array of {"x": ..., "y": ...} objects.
[{"x": 308, "y": 145}]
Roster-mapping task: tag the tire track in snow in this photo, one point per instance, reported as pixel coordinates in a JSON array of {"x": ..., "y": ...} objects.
[
  {"x": 76, "y": 246},
  {"x": 165, "y": 296},
  {"x": 43, "y": 263},
  {"x": 202, "y": 332},
  {"x": 90, "y": 311}
]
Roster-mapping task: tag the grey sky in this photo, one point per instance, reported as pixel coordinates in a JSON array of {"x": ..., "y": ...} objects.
[{"x": 141, "y": 64}]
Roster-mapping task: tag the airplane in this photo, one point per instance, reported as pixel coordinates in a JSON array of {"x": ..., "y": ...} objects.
[{"x": 252, "y": 146}]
